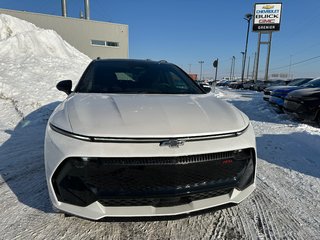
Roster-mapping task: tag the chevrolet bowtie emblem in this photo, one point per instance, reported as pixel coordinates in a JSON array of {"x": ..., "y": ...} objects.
[
  {"x": 268, "y": 7},
  {"x": 173, "y": 143}
]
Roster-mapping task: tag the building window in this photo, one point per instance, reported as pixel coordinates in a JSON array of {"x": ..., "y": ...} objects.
[
  {"x": 104, "y": 43},
  {"x": 98, "y": 42},
  {"x": 112, "y": 44}
]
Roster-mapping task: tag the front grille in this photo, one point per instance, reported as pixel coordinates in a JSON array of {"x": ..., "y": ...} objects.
[
  {"x": 157, "y": 181},
  {"x": 291, "y": 105},
  {"x": 163, "y": 201}
]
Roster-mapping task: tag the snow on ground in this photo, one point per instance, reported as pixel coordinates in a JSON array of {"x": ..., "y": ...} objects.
[
  {"x": 285, "y": 205},
  {"x": 289, "y": 164}
]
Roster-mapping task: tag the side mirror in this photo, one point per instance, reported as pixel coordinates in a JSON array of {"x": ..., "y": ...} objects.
[
  {"x": 206, "y": 87},
  {"x": 65, "y": 86}
]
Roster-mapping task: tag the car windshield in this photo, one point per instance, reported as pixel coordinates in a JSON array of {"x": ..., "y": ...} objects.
[
  {"x": 136, "y": 77},
  {"x": 276, "y": 83},
  {"x": 312, "y": 84},
  {"x": 298, "y": 82}
]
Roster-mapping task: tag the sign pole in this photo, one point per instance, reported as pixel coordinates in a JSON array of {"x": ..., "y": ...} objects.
[
  {"x": 215, "y": 78},
  {"x": 254, "y": 65},
  {"x": 268, "y": 57},
  {"x": 257, "y": 60},
  {"x": 248, "y": 68},
  {"x": 215, "y": 65}
]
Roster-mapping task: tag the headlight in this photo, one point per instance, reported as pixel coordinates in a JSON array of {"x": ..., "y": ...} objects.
[
  {"x": 277, "y": 94},
  {"x": 309, "y": 99}
]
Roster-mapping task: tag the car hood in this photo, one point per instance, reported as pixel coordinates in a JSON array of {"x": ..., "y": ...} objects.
[
  {"x": 272, "y": 88},
  {"x": 305, "y": 92},
  {"x": 286, "y": 89},
  {"x": 126, "y": 115}
]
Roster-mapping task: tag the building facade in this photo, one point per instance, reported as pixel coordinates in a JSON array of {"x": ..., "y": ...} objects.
[{"x": 93, "y": 38}]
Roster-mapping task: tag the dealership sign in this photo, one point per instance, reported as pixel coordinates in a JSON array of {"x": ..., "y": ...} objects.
[{"x": 267, "y": 17}]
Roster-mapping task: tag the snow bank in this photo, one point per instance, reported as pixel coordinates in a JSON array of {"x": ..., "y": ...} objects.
[
  {"x": 19, "y": 38},
  {"x": 11, "y": 26},
  {"x": 32, "y": 61}
]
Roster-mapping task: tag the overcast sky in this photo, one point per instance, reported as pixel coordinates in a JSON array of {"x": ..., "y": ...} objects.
[{"x": 187, "y": 31}]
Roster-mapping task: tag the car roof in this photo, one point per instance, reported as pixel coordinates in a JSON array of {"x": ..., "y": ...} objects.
[{"x": 126, "y": 60}]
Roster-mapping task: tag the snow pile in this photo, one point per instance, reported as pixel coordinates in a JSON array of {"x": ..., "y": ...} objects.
[
  {"x": 32, "y": 61},
  {"x": 10, "y": 26},
  {"x": 19, "y": 38}
]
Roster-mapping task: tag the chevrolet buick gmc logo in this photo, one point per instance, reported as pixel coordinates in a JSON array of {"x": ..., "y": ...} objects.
[{"x": 172, "y": 143}]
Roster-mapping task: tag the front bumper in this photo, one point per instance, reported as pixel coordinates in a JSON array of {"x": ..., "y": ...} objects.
[
  {"x": 266, "y": 97},
  {"x": 277, "y": 101},
  {"x": 102, "y": 200},
  {"x": 300, "y": 110}
]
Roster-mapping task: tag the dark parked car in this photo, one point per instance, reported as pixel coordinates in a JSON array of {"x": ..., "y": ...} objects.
[
  {"x": 236, "y": 85},
  {"x": 248, "y": 84},
  {"x": 205, "y": 86},
  {"x": 278, "y": 95},
  {"x": 304, "y": 104},
  {"x": 229, "y": 83},
  {"x": 256, "y": 85},
  {"x": 296, "y": 82},
  {"x": 261, "y": 85},
  {"x": 222, "y": 83}
]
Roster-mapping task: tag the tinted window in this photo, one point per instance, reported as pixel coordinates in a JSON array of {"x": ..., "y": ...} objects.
[
  {"x": 312, "y": 84},
  {"x": 298, "y": 82},
  {"x": 136, "y": 77}
]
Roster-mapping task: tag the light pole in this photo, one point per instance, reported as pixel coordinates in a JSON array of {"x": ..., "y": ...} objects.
[
  {"x": 201, "y": 62},
  {"x": 248, "y": 68},
  {"x": 248, "y": 18},
  {"x": 289, "y": 75},
  {"x": 242, "y": 66},
  {"x": 234, "y": 66},
  {"x": 231, "y": 68}
]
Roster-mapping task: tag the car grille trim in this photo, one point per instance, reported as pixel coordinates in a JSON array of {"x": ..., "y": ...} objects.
[
  {"x": 146, "y": 140},
  {"x": 179, "y": 160}
]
